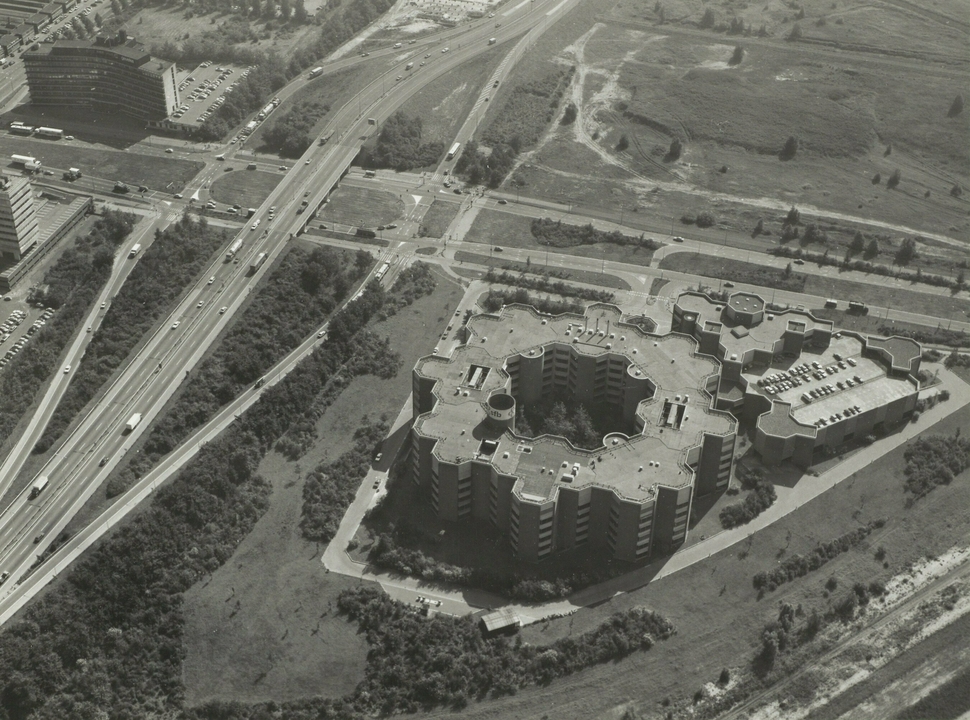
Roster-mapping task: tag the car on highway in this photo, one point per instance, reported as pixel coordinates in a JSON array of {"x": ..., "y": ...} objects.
[
  {"x": 169, "y": 150},
  {"x": 3, "y": 577},
  {"x": 498, "y": 249},
  {"x": 176, "y": 324},
  {"x": 398, "y": 79},
  {"x": 421, "y": 65},
  {"x": 67, "y": 369},
  {"x": 222, "y": 310},
  {"x": 321, "y": 333},
  {"x": 177, "y": 196},
  {"x": 427, "y": 56},
  {"x": 798, "y": 262},
  {"x": 444, "y": 50},
  {"x": 503, "y": 201},
  {"x": 307, "y": 161},
  {"x": 283, "y": 168},
  {"x": 678, "y": 239},
  {"x": 211, "y": 280},
  {"x": 200, "y": 303},
  {"x": 729, "y": 284},
  {"x": 237, "y": 206},
  {"x": 104, "y": 461},
  {"x": 104, "y": 305}
]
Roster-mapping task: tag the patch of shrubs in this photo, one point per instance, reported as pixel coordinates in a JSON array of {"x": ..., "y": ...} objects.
[
  {"x": 496, "y": 298},
  {"x": 955, "y": 359},
  {"x": 934, "y": 460},
  {"x": 798, "y": 566},
  {"x": 761, "y": 497},
  {"x": 935, "y": 336},
  {"x": 399, "y": 146},
  {"x": 556, "y": 233}
]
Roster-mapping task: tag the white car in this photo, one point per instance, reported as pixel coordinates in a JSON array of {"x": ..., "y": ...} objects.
[
  {"x": 176, "y": 324},
  {"x": 201, "y": 303},
  {"x": 169, "y": 150},
  {"x": 67, "y": 369},
  {"x": 211, "y": 280},
  {"x": 222, "y": 310}
]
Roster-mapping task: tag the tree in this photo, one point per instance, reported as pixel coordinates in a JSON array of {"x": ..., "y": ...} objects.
[
  {"x": 813, "y": 233},
  {"x": 569, "y": 114},
  {"x": 675, "y": 150},
  {"x": 98, "y": 20},
  {"x": 876, "y": 179},
  {"x": 956, "y": 107},
  {"x": 793, "y": 217},
  {"x": 790, "y": 148},
  {"x": 872, "y": 249},
  {"x": 788, "y": 270},
  {"x": 796, "y": 33},
  {"x": 737, "y": 56},
  {"x": 708, "y": 19},
  {"x": 623, "y": 144},
  {"x": 759, "y": 228},
  {"x": 894, "y": 179},
  {"x": 299, "y": 11},
  {"x": 906, "y": 252},
  {"x": 858, "y": 243}
]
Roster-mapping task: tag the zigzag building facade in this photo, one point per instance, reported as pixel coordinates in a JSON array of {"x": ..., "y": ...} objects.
[{"x": 628, "y": 497}]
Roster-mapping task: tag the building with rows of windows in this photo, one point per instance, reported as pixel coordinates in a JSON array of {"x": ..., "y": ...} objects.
[
  {"x": 628, "y": 497},
  {"x": 116, "y": 74}
]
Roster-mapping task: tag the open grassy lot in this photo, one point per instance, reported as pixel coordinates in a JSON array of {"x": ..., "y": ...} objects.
[
  {"x": 248, "y": 188},
  {"x": 494, "y": 227},
  {"x": 716, "y": 610},
  {"x": 583, "y": 276},
  {"x": 158, "y": 173},
  {"x": 819, "y": 285},
  {"x": 264, "y": 627},
  {"x": 437, "y": 219},
  {"x": 362, "y": 207}
]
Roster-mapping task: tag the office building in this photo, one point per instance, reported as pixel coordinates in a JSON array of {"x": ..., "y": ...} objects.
[
  {"x": 112, "y": 74},
  {"x": 18, "y": 218}
]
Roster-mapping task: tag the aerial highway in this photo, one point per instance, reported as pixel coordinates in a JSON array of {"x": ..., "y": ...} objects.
[{"x": 99, "y": 442}]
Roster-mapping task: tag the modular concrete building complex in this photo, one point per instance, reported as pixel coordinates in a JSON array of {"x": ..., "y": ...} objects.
[
  {"x": 631, "y": 495},
  {"x": 805, "y": 385},
  {"x": 116, "y": 73}
]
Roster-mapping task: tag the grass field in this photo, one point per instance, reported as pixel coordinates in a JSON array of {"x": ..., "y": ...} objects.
[
  {"x": 493, "y": 227},
  {"x": 583, "y": 276},
  {"x": 264, "y": 627},
  {"x": 444, "y": 104},
  {"x": 716, "y": 610},
  {"x": 437, "y": 219},
  {"x": 361, "y": 207},
  {"x": 819, "y": 285},
  {"x": 158, "y": 173},
  {"x": 248, "y": 188}
]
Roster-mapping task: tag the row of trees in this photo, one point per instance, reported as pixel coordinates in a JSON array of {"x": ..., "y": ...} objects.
[
  {"x": 798, "y": 566},
  {"x": 556, "y": 233},
  {"x": 497, "y": 298},
  {"x": 935, "y": 460},
  {"x": 399, "y": 146},
  {"x": 303, "y": 289},
  {"x": 176, "y": 257},
  {"x": 70, "y": 286},
  {"x": 107, "y": 640},
  {"x": 543, "y": 283}
]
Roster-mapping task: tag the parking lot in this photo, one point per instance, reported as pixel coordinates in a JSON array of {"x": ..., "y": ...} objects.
[{"x": 203, "y": 90}]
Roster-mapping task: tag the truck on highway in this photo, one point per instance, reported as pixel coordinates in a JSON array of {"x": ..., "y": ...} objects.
[
  {"x": 302, "y": 207},
  {"x": 27, "y": 162},
  {"x": 831, "y": 303},
  {"x": 72, "y": 174},
  {"x": 453, "y": 151},
  {"x": 316, "y": 71},
  {"x": 134, "y": 250},
  {"x": 859, "y": 308},
  {"x": 257, "y": 263},
  {"x": 409, "y": 66},
  {"x": 383, "y": 270},
  {"x": 491, "y": 41},
  {"x": 250, "y": 212},
  {"x": 132, "y": 422},
  {"x": 38, "y": 487},
  {"x": 233, "y": 249}
]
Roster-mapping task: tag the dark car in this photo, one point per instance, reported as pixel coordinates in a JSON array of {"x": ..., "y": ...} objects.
[
  {"x": 798, "y": 262},
  {"x": 503, "y": 201},
  {"x": 104, "y": 461},
  {"x": 457, "y": 191},
  {"x": 498, "y": 249}
]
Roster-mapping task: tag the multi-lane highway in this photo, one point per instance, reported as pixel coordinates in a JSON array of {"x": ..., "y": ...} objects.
[{"x": 98, "y": 442}]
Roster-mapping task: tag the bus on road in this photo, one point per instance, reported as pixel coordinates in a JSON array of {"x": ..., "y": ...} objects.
[{"x": 453, "y": 151}]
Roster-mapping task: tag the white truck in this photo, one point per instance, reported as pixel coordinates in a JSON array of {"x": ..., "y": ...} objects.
[
  {"x": 316, "y": 71},
  {"x": 38, "y": 487},
  {"x": 134, "y": 250},
  {"x": 132, "y": 422}
]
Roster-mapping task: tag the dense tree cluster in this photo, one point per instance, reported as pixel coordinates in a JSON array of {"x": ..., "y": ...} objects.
[
  {"x": 798, "y": 566},
  {"x": 290, "y": 133},
  {"x": 177, "y": 255},
  {"x": 479, "y": 167},
  {"x": 107, "y": 641},
  {"x": 761, "y": 497},
  {"x": 304, "y": 288},
  {"x": 419, "y": 662},
  {"x": 70, "y": 286},
  {"x": 331, "y": 487},
  {"x": 545, "y": 284},
  {"x": 560, "y": 415},
  {"x": 935, "y": 460},
  {"x": 497, "y": 298},
  {"x": 399, "y": 146},
  {"x": 413, "y": 282},
  {"x": 556, "y": 233}
]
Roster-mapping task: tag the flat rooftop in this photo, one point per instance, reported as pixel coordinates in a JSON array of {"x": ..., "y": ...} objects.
[
  {"x": 844, "y": 357},
  {"x": 631, "y": 466}
]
